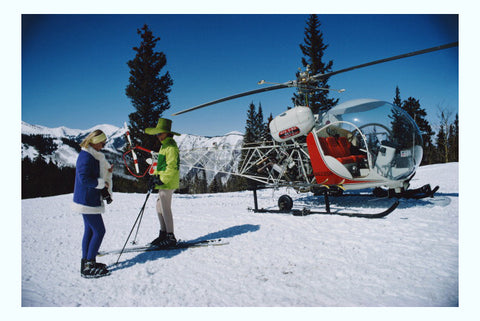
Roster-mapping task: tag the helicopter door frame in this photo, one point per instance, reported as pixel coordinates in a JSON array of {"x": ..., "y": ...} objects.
[{"x": 334, "y": 164}]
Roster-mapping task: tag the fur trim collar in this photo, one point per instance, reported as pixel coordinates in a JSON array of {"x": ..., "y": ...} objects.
[{"x": 97, "y": 155}]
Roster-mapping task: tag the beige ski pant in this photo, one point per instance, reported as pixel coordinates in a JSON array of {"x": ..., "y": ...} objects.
[{"x": 164, "y": 209}]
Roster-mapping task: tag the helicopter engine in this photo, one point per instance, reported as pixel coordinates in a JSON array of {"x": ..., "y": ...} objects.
[{"x": 291, "y": 124}]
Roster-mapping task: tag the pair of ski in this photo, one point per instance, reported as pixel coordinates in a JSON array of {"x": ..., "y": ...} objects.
[{"x": 179, "y": 245}]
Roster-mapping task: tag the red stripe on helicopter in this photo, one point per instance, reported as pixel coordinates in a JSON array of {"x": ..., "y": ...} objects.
[{"x": 289, "y": 132}]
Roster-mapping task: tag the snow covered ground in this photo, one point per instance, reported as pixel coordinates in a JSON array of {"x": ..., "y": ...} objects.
[{"x": 408, "y": 259}]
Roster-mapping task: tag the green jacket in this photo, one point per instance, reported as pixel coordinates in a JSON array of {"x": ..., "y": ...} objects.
[{"x": 168, "y": 166}]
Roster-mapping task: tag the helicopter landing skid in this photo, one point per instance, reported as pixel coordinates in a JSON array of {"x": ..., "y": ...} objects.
[
  {"x": 286, "y": 205},
  {"x": 418, "y": 193}
]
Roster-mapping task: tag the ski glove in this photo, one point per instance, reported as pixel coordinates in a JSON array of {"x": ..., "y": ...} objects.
[{"x": 154, "y": 181}]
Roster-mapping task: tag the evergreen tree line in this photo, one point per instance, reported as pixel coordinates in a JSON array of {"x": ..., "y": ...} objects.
[
  {"x": 447, "y": 140},
  {"x": 441, "y": 147},
  {"x": 197, "y": 183},
  {"x": 256, "y": 131},
  {"x": 41, "y": 178},
  {"x": 43, "y": 144}
]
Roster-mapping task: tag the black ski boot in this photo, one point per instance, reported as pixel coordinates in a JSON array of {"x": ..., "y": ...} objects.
[
  {"x": 162, "y": 236},
  {"x": 82, "y": 265},
  {"x": 165, "y": 240},
  {"x": 84, "y": 261},
  {"x": 92, "y": 269}
]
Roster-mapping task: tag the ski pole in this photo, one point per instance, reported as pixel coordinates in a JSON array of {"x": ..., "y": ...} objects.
[
  {"x": 138, "y": 226},
  {"x": 139, "y": 216}
]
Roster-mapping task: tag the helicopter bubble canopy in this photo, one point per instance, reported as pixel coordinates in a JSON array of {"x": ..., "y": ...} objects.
[{"x": 388, "y": 135}]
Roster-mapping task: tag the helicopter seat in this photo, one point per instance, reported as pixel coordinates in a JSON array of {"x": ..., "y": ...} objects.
[
  {"x": 324, "y": 167},
  {"x": 340, "y": 148},
  {"x": 347, "y": 148}
]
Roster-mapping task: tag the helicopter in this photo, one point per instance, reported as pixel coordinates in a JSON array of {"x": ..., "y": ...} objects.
[{"x": 356, "y": 145}]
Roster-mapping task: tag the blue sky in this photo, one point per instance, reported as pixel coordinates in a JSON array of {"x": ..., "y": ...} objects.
[{"x": 74, "y": 70}]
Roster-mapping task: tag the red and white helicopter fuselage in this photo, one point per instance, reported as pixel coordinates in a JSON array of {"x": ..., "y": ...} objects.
[{"x": 358, "y": 144}]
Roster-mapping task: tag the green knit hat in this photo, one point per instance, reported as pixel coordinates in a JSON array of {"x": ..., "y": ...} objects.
[{"x": 163, "y": 126}]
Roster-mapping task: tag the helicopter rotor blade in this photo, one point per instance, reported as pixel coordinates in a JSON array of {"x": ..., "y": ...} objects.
[
  {"x": 310, "y": 88},
  {"x": 289, "y": 84},
  {"x": 247, "y": 93},
  {"x": 406, "y": 55}
]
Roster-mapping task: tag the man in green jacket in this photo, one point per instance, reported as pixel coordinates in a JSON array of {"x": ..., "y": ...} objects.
[{"x": 166, "y": 178}]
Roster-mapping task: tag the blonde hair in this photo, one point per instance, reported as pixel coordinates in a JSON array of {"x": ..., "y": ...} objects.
[{"x": 88, "y": 140}]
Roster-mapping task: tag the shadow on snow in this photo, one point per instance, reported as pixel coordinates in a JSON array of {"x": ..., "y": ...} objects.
[
  {"x": 357, "y": 202},
  {"x": 144, "y": 257}
]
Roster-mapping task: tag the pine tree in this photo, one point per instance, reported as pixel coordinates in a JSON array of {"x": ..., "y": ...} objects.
[
  {"x": 397, "y": 101},
  {"x": 401, "y": 129},
  {"x": 267, "y": 127},
  {"x": 200, "y": 185},
  {"x": 147, "y": 89},
  {"x": 262, "y": 131},
  {"x": 255, "y": 132},
  {"x": 256, "y": 129},
  {"x": 216, "y": 185},
  {"x": 41, "y": 178},
  {"x": 453, "y": 140},
  {"x": 413, "y": 108},
  {"x": 447, "y": 138},
  {"x": 313, "y": 51},
  {"x": 442, "y": 145},
  {"x": 250, "y": 135}
]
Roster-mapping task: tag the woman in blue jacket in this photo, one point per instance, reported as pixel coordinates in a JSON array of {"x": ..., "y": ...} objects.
[{"x": 93, "y": 180}]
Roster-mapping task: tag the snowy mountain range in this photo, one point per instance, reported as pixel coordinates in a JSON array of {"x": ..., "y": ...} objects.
[{"x": 65, "y": 149}]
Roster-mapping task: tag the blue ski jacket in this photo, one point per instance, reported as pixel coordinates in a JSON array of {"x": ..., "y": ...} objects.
[{"x": 87, "y": 198}]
